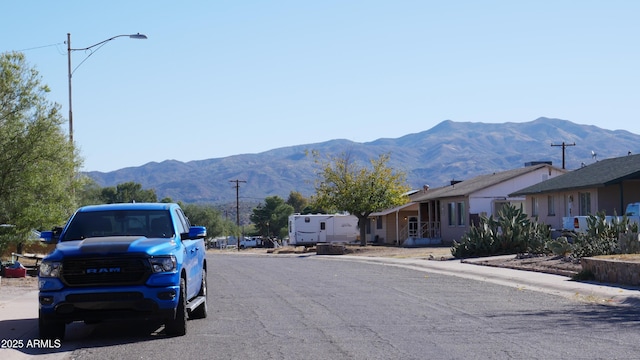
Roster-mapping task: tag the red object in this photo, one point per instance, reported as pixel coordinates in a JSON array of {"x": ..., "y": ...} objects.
[{"x": 15, "y": 273}]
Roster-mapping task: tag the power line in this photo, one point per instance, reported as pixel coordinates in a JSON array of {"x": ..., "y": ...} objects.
[{"x": 40, "y": 47}]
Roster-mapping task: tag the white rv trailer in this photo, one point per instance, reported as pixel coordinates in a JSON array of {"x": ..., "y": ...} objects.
[{"x": 310, "y": 229}]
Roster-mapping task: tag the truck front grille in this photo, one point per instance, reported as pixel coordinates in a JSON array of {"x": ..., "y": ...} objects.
[
  {"x": 105, "y": 271},
  {"x": 111, "y": 296}
]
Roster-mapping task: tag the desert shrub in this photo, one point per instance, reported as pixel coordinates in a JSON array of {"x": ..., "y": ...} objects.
[
  {"x": 560, "y": 246},
  {"x": 629, "y": 242},
  {"x": 511, "y": 233},
  {"x": 586, "y": 245}
]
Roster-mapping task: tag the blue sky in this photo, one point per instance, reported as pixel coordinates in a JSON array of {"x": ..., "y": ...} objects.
[{"x": 219, "y": 78}]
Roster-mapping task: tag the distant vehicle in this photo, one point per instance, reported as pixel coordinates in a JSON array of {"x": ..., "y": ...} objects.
[
  {"x": 245, "y": 242},
  {"x": 310, "y": 229},
  {"x": 248, "y": 242},
  {"x": 579, "y": 223}
]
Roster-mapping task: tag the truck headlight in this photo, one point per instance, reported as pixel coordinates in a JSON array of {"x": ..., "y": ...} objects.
[
  {"x": 50, "y": 269},
  {"x": 163, "y": 264}
]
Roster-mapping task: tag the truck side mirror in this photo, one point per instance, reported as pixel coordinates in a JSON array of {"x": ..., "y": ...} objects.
[
  {"x": 46, "y": 237},
  {"x": 197, "y": 232}
]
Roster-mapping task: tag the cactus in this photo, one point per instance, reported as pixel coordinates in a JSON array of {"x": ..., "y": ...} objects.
[{"x": 560, "y": 246}]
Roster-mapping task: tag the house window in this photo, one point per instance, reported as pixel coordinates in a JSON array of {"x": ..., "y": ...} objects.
[
  {"x": 452, "y": 213},
  {"x": 551, "y": 205},
  {"x": 461, "y": 213},
  {"x": 585, "y": 204},
  {"x": 534, "y": 206},
  {"x": 379, "y": 222}
]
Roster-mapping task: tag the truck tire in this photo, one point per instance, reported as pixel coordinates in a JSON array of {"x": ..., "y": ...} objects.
[
  {"x": 50, "y": 329},
  {"x": 178, "y": 325},
  {"x": 201, "y": 311}
]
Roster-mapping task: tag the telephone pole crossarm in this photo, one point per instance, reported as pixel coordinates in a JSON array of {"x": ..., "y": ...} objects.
[{"x": 564, "y": 146}]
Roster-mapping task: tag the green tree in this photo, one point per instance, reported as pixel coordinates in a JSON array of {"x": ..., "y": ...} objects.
[
  {"x": 128, "y": 192},
  {"x": 37, "y": 162},
  {"x": 313, "y": 208},
  {"x": 90, "y": 193},
  {"x": 272, "y": 217},
  {"x": 207, "y": 216},
  {"x": 343, "y": 185},
  {"x": 297, "y": 201}
]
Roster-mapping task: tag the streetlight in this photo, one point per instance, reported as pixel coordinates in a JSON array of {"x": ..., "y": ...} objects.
[{"x": 69, "y": 50}]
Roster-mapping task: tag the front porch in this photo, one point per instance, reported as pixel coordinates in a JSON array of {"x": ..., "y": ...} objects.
[
  {"x": 429, "y": 234},
  {"x": 403, "y": 226}
]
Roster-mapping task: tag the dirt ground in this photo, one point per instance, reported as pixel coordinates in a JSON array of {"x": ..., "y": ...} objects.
[
  {"x": 543, "y": 263},
  {"x": 12, "y": 287}
]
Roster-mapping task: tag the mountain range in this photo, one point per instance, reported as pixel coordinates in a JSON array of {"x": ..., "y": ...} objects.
[{"x": 448, "y": 151}]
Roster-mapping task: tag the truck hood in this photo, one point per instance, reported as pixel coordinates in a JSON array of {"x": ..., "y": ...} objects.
[{"x": 115, "y": 244}]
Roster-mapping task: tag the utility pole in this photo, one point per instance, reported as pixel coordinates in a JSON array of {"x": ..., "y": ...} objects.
[
  {"x": 237, "y": 186},
  {"x": 564, "y": 145}
]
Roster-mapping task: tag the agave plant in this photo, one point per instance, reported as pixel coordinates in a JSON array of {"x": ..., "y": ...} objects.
[{"x": 512, "y": 232}]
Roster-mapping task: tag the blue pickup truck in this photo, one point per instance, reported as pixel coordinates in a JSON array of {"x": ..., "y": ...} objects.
[{"x": 123, "y": 261}]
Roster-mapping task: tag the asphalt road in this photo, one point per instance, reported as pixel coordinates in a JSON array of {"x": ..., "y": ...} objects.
[{"x": 310, "y": 307}]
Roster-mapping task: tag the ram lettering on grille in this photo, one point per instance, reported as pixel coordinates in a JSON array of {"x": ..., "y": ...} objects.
[{"x": 105, "y": 271}]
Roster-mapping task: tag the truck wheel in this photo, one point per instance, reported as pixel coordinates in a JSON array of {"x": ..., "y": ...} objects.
[
  {"x": 201, "y": 311},
  {"x": 178, "y": 325},
  {"x": 50, "y": 329}
]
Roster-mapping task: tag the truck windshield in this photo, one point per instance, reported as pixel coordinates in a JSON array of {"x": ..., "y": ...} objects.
[{"x": 148, "y": 223}]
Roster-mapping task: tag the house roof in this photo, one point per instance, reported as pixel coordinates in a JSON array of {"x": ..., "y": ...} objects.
[
  {"x": 477, "y": 183},
  {"x": 407, "y": 206},
  {"x": 599, "y": 174}
]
